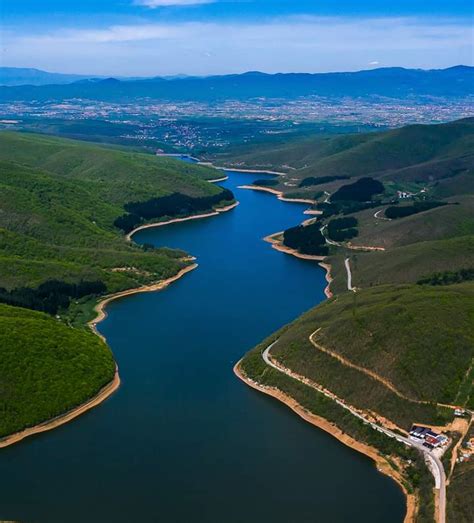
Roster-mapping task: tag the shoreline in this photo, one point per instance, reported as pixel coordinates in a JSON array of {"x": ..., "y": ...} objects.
[
  {"x": 104, "y": 393},
  {"x": 381, "y": 463},
  {"x": 278, "y": 246},
  {"x": 327, "y": 290},
  {"x": 278, "y": 194},
  {"x": 109, "y": 388},
  {"x": 205, "y": 163},
  {"x": 250, "y": 171},
  {"x": 215, "y": 212},
  {"x": 100, "y": 308}
]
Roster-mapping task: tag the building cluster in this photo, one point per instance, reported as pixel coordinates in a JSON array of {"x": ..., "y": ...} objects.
[
  {"x": 428, "y": 437},
  {"x": 466, "y": 451}
]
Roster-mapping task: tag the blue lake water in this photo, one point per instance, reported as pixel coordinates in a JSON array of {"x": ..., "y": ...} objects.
[{"x": 183, "y": 439}]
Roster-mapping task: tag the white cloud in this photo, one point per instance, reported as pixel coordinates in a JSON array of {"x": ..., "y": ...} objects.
[
  {"x": 167, "y": 3},
  {"x": 374, "y": 62},
  {"x": 291, "y": 44}
]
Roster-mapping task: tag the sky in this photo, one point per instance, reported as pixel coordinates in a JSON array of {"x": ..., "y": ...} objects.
[{"x": 203, "y": 37}]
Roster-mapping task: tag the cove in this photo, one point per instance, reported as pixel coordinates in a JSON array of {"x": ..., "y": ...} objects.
[{"x": 183, "y": 439}]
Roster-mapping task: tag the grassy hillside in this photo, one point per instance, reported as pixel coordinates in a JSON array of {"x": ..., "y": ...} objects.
[
  {"x": 59, "y": 248},
  {"x": 61, "y": 199},
  {"x": 393, "y": 348},
  {"x": 423, "y": 154},
  {"x": 400, "y": 333},
  {"x": 50, "y": 227},
  {"x": 440, "y": 223},
  {"x": 46, "y": 368},
  {"x": 409, "y": 263},
  {"x": 118, "y": 175}
]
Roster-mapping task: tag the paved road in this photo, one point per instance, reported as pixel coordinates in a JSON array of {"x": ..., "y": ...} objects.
[
  {"x": 349, "y": 275},
  {"x": 326, "y": 237},
  {"x": 376, "y": 215},
  {"x": 435, "y": 465}
]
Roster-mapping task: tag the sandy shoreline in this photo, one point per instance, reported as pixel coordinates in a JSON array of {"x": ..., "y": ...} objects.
[
  {"x": 101, "y": 396},
  {"x": 110, "y": 387},
  {"x": 250, "y": 171},
  {"x": 278, "y": 194},
  {"x": 216, "y": 212},
  {"x": 382, "y": 465},
  {"x": 278, "y": 245},
  {"x": 100, "y": 308},
  {"x": 327, "y": 290}
]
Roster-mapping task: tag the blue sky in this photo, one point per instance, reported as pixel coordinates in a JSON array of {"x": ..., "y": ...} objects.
[{"x": 157, "y": 37}]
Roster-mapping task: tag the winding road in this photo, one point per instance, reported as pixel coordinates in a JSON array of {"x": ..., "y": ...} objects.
[
  {"x": 434, "y": 463},
  {"x": 349, "y": 275}
]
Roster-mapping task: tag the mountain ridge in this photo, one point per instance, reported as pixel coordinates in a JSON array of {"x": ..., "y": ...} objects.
[{"x": 392, "y": 82}]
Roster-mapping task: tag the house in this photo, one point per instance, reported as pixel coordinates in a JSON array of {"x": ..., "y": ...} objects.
[
  {"x": 404, "y": 194},
  {"x": 429, "y": 438}
]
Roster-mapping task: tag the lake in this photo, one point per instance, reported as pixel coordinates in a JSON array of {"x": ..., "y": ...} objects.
[{"x": 183, "y": 439}]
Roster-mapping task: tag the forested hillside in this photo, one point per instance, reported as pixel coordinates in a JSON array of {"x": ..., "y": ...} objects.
[
  {"x": 60, "y": 248},
  {"x": 46, "y": 367}
]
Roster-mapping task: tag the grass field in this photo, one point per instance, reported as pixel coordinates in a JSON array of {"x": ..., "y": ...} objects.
[
  {"x": 391, "y": 331},
  {"x": 409, "y": 263},
  {"x": 441, "y": 223}
]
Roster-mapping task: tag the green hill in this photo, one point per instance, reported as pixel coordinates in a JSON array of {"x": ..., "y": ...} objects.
[
  {"x": 426, "y": 154},
  {"x": 61, "y": 199},
  {"x": 117, "y": 175},
  {"x": 419, "y": 338},
  {"x": 46, "y": 368}
]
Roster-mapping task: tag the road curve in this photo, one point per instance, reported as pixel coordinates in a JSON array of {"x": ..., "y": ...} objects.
[
  {"x": 349, "y": 275},
  {"x": 434, "y": 463}
]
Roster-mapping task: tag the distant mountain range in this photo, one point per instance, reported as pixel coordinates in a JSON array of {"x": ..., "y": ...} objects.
[
  {"x": 394, "y": 82},
  {"x": 27, "y": 76}
]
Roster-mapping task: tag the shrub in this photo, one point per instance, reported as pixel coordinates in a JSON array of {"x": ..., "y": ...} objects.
[
  {"x": 307, "y": 239},
  {"x": 266, "y": 183},
  {"x": 395, "y": 212},
  {"x": 172, "y": 205},
  {"x": 360, "y": 191}
]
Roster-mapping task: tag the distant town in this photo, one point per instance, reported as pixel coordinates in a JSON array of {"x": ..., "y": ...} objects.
[{"x": 187, "y": 125}]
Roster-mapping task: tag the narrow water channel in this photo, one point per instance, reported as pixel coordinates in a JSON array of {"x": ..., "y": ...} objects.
[{"x": 183, "y": 439}]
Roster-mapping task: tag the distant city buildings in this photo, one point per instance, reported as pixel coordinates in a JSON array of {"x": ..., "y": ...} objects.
[{"x": 188, "y": 124}]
